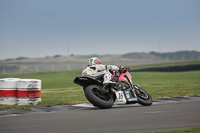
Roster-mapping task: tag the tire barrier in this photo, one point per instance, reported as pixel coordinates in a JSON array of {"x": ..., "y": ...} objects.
[
  {"x": 28, "y": 92},
  {"x": 8, "y": 91},
  {"x": 14, "y": 91}
]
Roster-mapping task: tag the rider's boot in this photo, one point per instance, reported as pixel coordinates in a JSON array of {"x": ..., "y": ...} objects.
[{"x": 108, "y": 82}]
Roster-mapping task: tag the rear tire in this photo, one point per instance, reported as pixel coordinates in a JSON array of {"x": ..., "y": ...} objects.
[{"x": 93, "y": 95}]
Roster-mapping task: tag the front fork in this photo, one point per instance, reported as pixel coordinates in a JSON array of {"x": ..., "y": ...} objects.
[{"x": 134, "y": 88}]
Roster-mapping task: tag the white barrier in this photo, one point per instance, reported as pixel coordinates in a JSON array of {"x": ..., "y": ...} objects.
[
  {"x": 15, "y": 91},
  {"x": 29, "y": 91},
  {"x": 8, "y": 91}
]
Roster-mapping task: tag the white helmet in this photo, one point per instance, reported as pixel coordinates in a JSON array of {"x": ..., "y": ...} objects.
[{"x": 94, "y": 61}]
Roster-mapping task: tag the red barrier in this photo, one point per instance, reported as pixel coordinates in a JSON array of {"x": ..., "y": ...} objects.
[
  {"x": 28, "y": 94},
  {"x": 8, "y": 93}
]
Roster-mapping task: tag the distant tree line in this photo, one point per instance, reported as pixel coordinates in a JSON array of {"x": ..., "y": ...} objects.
[
  {"x": 172, "y": 56},
  {"x": 18, "y": 58}
]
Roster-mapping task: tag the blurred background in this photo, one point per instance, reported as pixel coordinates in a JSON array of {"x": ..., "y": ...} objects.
[{"x": 57, "y": 35}]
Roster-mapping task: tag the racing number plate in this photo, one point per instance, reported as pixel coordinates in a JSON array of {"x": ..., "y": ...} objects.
[{"x": 120, "y": 98}]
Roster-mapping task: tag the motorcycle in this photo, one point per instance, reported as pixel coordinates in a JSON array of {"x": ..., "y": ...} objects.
[{"x": 123, "y": 91}]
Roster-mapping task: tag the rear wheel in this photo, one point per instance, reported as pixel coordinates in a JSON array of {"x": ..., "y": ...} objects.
[
  {"x": 143, "y": 97},
  {"x": 94, "y": 96}
]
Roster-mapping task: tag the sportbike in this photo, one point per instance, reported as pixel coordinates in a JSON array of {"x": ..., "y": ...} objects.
[{"x": 122, "y": 91}]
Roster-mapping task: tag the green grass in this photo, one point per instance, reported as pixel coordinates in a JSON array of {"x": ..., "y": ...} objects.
[
  {"x": 53, "y": 80},
  {"x": 194, "y": 130},
  {"x": 164, "y": 65},
  {"x": 166, "y": 85},
  {"x": 58, "y": 87}
]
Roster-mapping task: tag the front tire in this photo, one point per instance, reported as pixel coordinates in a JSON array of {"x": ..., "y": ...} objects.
[
  {"x": 143, "y": 97},
  {"x": 94, "y": 96}
]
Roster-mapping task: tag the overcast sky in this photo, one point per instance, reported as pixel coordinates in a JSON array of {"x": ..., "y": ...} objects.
[{"x": 39, "y": 28}]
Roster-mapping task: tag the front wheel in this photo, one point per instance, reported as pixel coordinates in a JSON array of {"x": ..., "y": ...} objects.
[
  {"x": 143, "y": 97},
  {"x": 94, "y": 96}
]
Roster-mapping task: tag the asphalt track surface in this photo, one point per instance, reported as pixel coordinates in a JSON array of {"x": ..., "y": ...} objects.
[{"x": 164, "y": 114}]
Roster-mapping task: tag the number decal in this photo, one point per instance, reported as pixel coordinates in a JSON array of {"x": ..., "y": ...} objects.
[{"x": 121, "y": 96}]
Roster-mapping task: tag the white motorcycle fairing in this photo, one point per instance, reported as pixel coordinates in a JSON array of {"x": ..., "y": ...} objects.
[
  {"x": 120, "y": 98},
  {"x": 124, "y": 97}
]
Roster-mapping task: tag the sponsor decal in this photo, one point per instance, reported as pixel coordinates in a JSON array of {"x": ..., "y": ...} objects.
[
  {"x": 121, "y": 101},
  {"x": 127, "y": 95},
  {"x": 126, "y": 92},
  {"x": 132, "y": 99},
  {"x": 123, "y": 78}
]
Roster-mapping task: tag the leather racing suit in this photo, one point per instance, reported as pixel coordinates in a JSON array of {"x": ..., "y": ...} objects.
[{"x": 99, "y": 69}]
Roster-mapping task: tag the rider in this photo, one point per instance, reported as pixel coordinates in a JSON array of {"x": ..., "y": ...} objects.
[{"x": 95, "y": 68}]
